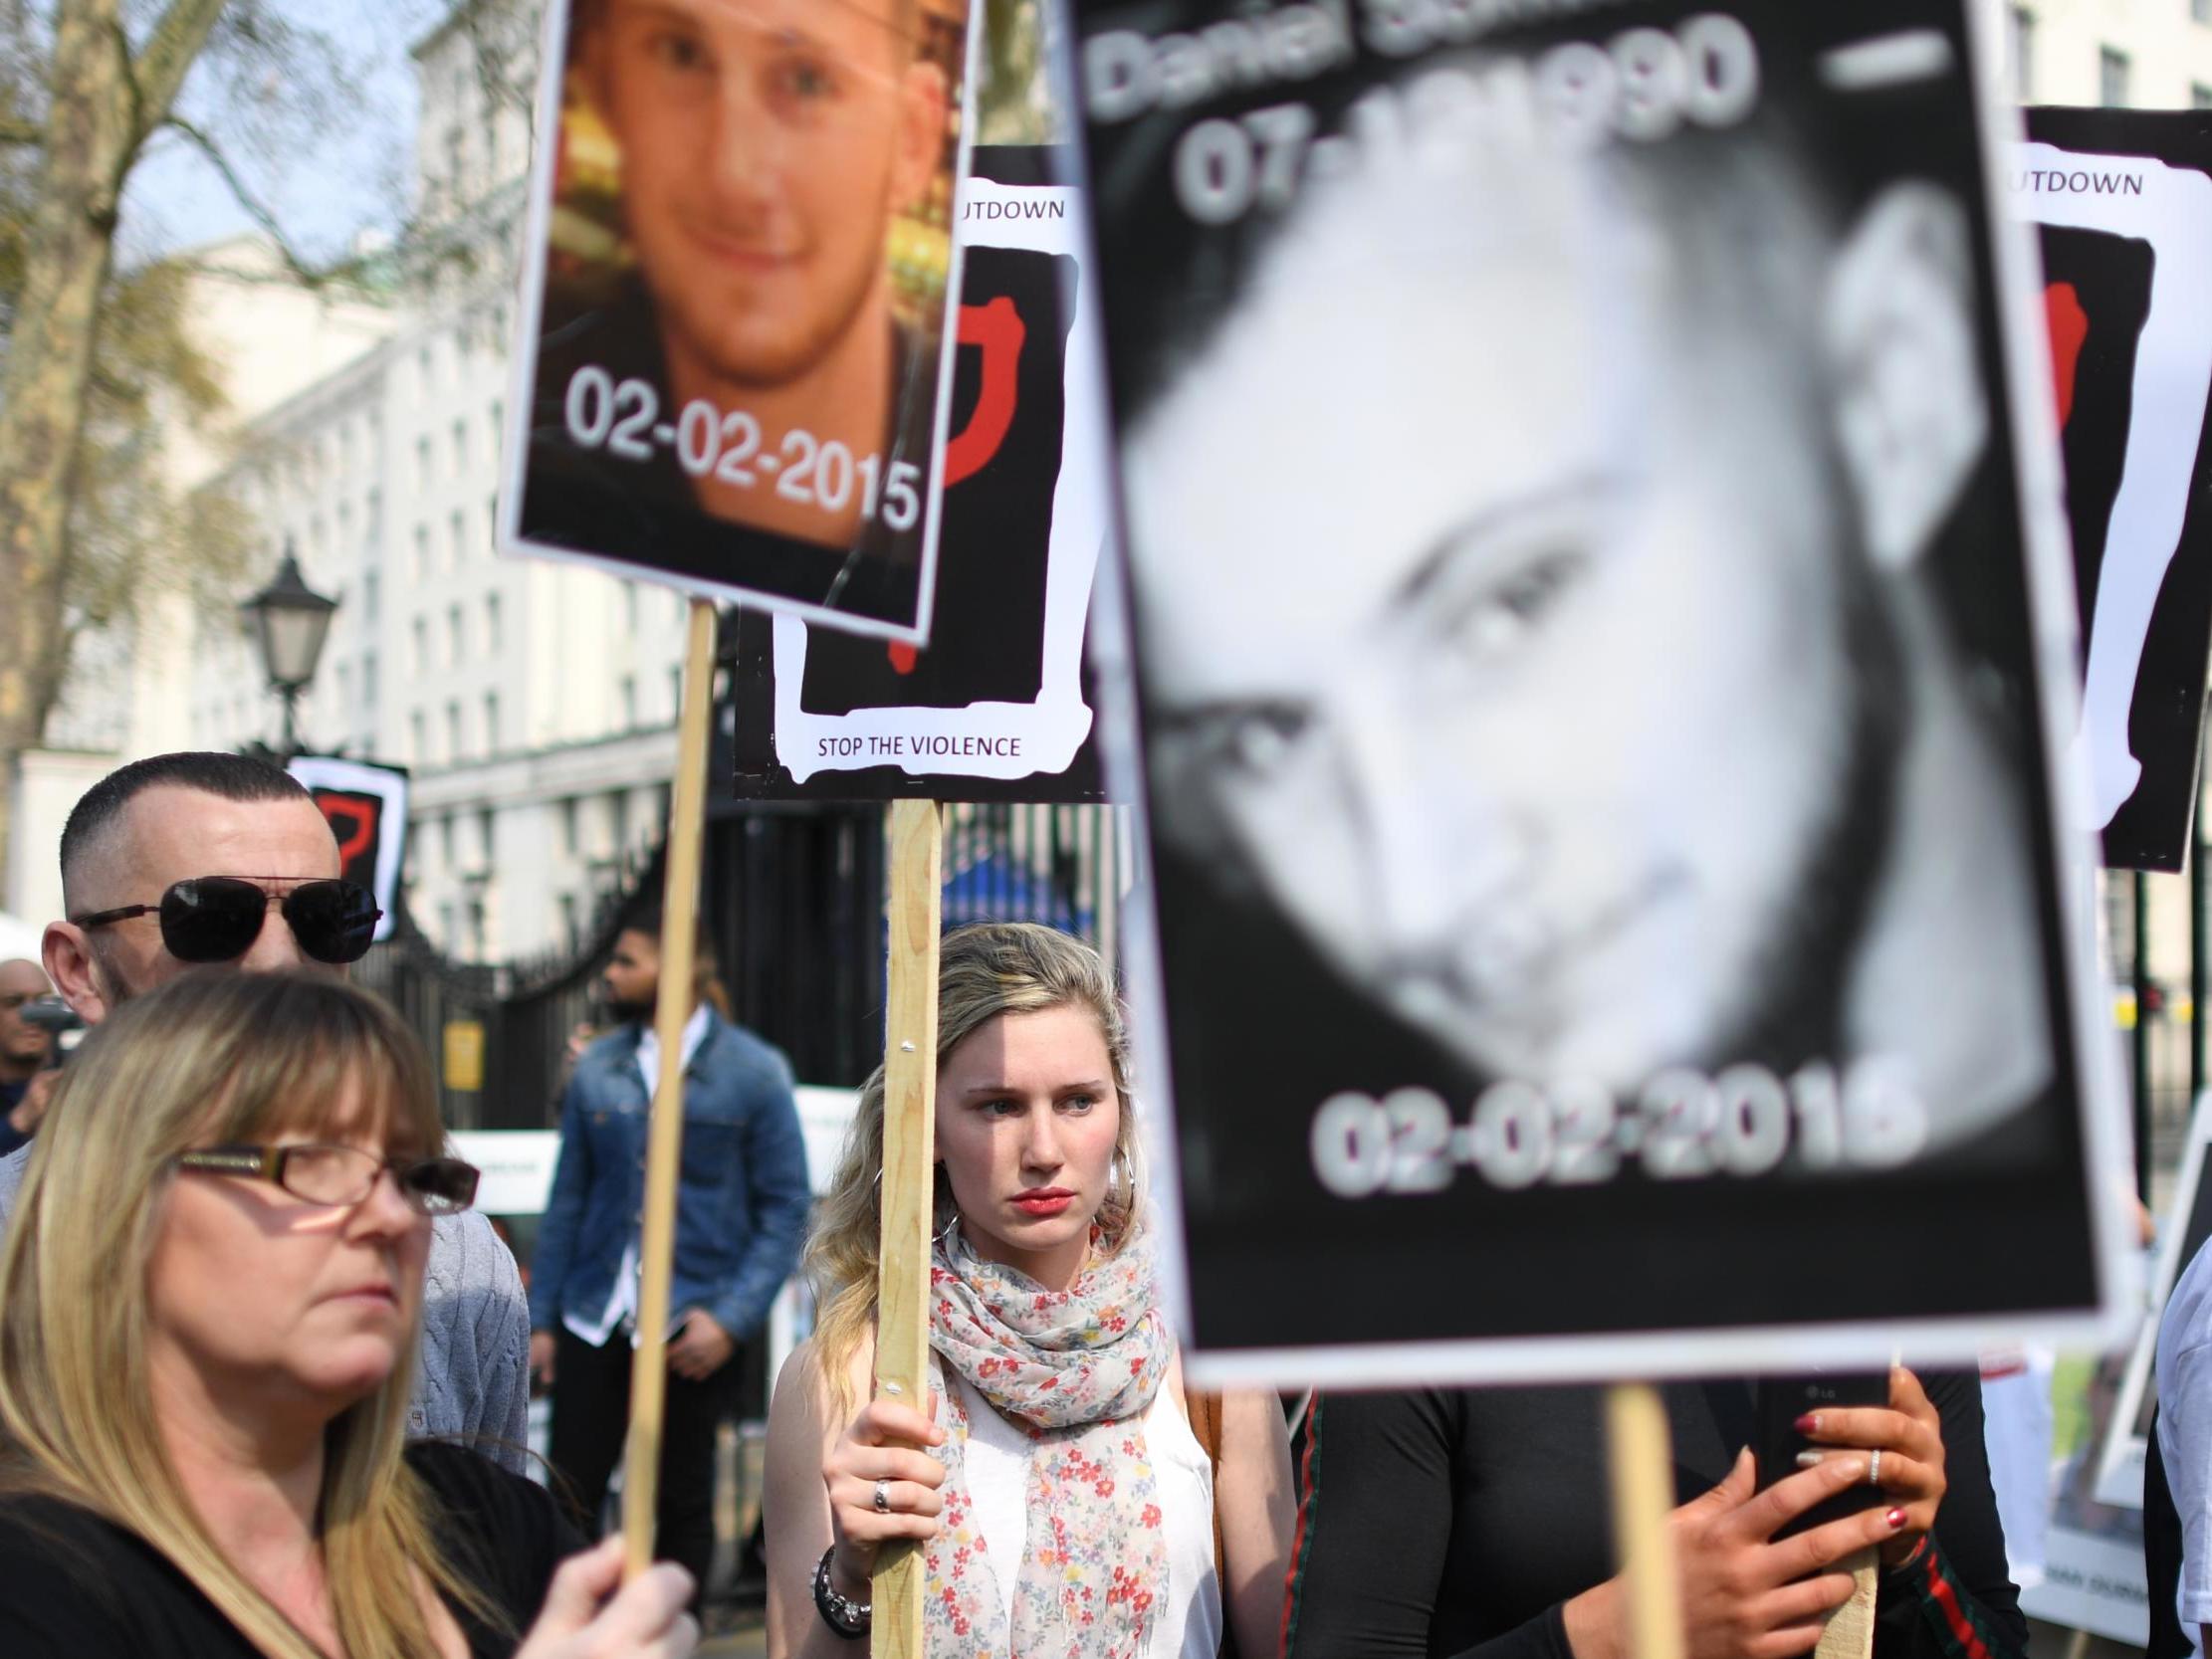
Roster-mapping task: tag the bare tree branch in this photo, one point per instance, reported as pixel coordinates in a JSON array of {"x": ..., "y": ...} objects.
[
  {"x": 16, "y": 131},
  {"x": 169, "y": 53},
  {"x": 306, "y": 275}
]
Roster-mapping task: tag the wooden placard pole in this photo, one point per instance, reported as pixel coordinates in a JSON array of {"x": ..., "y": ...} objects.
[
  {"x": 909, "y": 1185},
  {"x": 1642, "y": 1460},
  {"x": 665, "y": 1134}
]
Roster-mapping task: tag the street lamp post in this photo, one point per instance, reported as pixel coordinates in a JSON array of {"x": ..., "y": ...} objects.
[{"x": 290, "y": 621}]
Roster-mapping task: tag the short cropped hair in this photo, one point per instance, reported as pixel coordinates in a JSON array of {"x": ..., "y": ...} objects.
[{"x": 94, "y": 820}]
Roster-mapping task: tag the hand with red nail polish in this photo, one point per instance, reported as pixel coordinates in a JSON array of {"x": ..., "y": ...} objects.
[
  {"x": 1745, "y": 1593},
  {"x": 1908, "y": 1433}
]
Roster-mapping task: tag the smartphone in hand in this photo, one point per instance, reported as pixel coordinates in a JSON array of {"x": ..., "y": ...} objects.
[{"x": 1784, "y": 1399}]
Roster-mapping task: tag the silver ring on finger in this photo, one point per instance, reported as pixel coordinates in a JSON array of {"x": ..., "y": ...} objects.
[
  {"x": 883, "y": 1497},
  {"x": 1874, "y": 1468}
]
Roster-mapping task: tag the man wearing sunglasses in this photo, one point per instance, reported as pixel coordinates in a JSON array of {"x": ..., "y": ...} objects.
[{"x": 218, "y": 859}]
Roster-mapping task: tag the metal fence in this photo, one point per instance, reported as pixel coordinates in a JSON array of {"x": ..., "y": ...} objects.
[{"x": 793, "y": 899}]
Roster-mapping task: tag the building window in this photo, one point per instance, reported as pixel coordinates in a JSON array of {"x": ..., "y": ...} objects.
[
  {"x": 568, "y": 928},
  {"x": 457, "y": 537},
  {"x": 629, "y": 607},
  {"x": 478, "y": 947},
  {"x": 369, "y": 680},
  {"x": 626, "y": 692},
  {"x": 568, "y": 826},
  {"x": 460, "y": 448},
  {"x": 445, "y": 839},
  {"x": 418, "y": 646},
  {"x": 453, "y": 643},
  {"x": 499, "y": 423},
  {"x": 422, "y": 464},
  {"x": 422, "y": 370},
  {"x": 421, "y": 570},
  {"x": 618, "y": 819},
  {"x": 2200, "y": 96},
  {"x": 491, "y": 723},
  {"x": 453, "y": 729},
  {"x": 675, "y": 693},
  {"x": 372, "y": 520},
  {"x": 2111, "y": 77},
  {"x": 2200, "y": 11},
  {"x": 345, "y": 690},
  {"x": 418, "y": 740},
  {"x": 491, "y": 623},
  {"x": 487, "y": 840},
  {"x": 372, "y": 595}
]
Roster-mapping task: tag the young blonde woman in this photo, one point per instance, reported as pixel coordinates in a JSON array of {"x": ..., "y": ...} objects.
[
  {"x": 209, "y": 1300},
  {"x": 1065, "y": 1503}
]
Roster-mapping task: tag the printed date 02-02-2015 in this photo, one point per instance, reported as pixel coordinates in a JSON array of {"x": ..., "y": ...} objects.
[
  {"x": 623, "y": 418},
  {"x": 1684, "y": 1124}
]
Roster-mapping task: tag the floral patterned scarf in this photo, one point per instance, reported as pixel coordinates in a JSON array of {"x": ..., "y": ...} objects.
[{"x": 1075, "y": 1371}]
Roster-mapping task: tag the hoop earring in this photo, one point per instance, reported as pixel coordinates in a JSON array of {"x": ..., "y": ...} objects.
[{"x": 946, "y": 1231}]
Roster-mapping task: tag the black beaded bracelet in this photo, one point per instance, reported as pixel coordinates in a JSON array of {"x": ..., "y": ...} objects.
[{"x": 844, "y": 1616}]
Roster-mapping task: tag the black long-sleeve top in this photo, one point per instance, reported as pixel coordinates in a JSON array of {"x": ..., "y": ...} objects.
[{"x": 1457, "y": 1523}]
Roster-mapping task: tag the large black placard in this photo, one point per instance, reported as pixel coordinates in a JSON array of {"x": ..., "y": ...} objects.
[
  {"x": 997, "y": 706},
  {"x": 1598, "y": 684},
  {"x": 2123, "y": 198}
]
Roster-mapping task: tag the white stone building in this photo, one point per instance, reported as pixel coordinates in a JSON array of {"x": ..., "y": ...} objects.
[
  {"x": 2143, "y": 54},
  {"x": 535, "y": 704}
]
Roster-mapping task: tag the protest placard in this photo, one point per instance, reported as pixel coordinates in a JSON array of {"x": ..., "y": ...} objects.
[
  {"x": 366, "y": 805},
  {"x": 996, "y": 707},
  {"x": 1601, "y": 655},
  {"x": 2123, "y": 199},
  {"x": 732, "y": 365}
]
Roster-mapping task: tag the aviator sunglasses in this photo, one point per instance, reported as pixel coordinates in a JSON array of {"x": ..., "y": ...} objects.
[
  {"x": 337, "y": 1175},
  {"x": 216, "y": 918}
]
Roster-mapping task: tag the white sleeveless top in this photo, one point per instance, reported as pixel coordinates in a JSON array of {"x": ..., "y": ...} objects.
[{"x": 1190, "y": 1625}]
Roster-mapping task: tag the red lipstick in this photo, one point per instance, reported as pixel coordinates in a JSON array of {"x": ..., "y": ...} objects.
[{"x": 1043, "y": 1200}]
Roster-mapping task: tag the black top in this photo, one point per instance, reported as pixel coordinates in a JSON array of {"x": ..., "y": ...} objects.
[
  {"x": 75, "y": 1586},
  {"x": 1458, "y": 1521},
  {"x": 11, "y": 1095}
]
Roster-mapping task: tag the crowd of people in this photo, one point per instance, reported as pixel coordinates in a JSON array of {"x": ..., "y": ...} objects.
[{"x": 263, "y": 1368}]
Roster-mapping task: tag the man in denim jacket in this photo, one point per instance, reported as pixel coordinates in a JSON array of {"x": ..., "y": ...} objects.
[{"x": 741, "y": 1212}]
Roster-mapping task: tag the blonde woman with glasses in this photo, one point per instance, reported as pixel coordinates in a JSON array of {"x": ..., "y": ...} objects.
[
  {"x": 209, "y": 1300},
  {"x": 1071, "y": 1498}
]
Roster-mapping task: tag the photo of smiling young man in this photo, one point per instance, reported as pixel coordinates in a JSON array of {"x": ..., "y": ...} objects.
[{"x": 737, "y": 359}]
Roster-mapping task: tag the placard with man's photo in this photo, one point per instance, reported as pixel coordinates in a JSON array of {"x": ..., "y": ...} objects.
[
  {"x": 732, "y": 358},
  {"x": 1601, "y": 656}
]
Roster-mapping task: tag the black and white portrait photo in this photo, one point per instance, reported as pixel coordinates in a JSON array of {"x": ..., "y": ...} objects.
[{"x": 1588, "y": 636}]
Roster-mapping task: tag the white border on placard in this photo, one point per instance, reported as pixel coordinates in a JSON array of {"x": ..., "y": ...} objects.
[
  {"x": 2173, "y": 374},
  {"x": 1054, "y": 725},
  {"x": 388, "y": 784},
  {"x": 2107, "y": 1167},
  {"x": 530, "y": 327}
]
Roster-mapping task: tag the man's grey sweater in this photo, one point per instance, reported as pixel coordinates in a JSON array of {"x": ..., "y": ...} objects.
[{"x": 472, "y": 1376}]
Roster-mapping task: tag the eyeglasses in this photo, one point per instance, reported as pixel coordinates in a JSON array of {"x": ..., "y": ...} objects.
[
  {"x": 338, "y": 1175},
  {"x": 216, "y": 918}
]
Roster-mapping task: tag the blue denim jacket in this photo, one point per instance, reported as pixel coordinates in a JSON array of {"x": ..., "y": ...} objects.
[{"x": 742, "y": 1198}]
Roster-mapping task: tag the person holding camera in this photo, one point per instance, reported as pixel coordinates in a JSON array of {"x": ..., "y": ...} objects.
[{"x": 26, "y": 1054}]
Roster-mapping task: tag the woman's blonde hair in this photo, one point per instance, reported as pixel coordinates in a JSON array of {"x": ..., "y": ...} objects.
[
  {"x": 210, "y": 1058},
  {"x": 983, "y": 971}
]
